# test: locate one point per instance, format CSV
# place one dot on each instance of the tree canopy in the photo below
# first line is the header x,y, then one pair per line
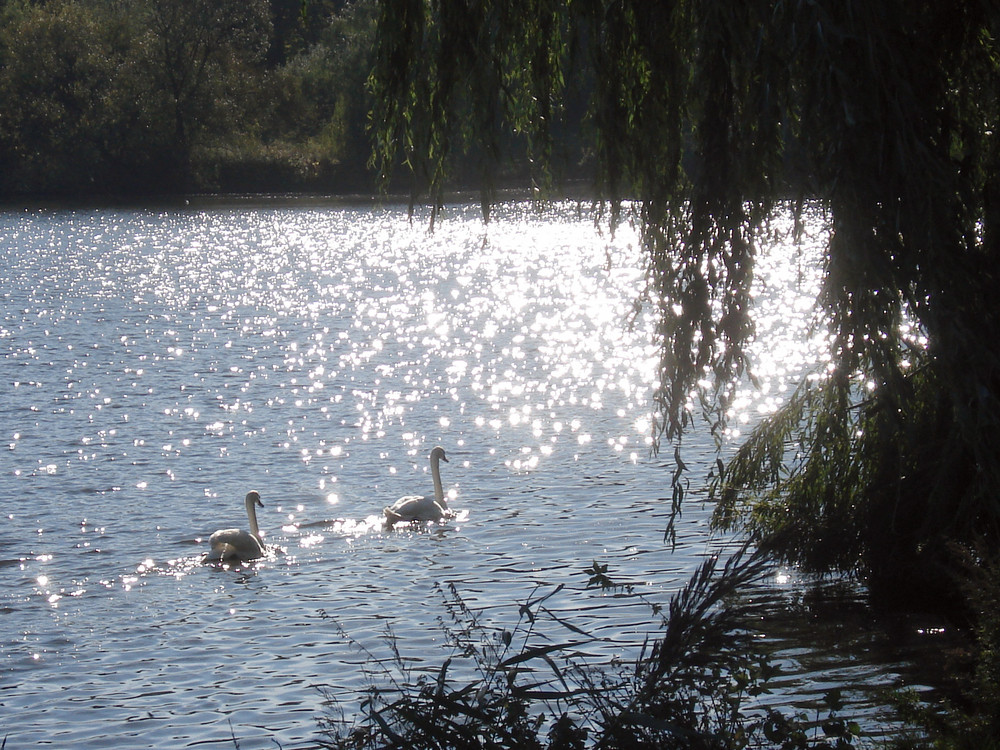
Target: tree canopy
x,y
160,96
708,117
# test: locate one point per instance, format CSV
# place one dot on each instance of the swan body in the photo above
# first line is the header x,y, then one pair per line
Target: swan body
x,y
422,507
237,545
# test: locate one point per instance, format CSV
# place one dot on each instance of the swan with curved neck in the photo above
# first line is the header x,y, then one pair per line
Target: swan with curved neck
x,y
422,507
237,545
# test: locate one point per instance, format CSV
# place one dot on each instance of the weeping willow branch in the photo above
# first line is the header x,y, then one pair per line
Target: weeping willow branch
x,y
704,118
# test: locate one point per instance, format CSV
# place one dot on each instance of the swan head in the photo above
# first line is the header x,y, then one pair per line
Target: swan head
x,y
438,454
253,498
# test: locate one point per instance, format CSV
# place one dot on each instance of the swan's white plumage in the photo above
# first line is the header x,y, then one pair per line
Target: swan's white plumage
x,y
237,545
422,507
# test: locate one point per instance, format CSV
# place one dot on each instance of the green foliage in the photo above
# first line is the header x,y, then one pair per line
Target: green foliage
x,y
170,95
983,591
72,116
883,486
195,56
298,24
970,718
310,116
489,711
668,128
459,79
319,95
101,96
794,483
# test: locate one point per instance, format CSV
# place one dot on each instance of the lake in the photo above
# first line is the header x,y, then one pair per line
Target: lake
x,y
158,364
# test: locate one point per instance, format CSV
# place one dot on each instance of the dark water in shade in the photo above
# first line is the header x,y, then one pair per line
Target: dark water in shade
x,y
157,365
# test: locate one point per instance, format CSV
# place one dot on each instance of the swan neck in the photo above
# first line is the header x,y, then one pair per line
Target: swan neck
x,y
436,476
252,515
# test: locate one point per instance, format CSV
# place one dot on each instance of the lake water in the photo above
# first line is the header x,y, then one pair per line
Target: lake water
x,y
156,365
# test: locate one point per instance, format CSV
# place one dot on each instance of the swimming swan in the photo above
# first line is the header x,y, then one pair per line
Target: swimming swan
x,y
237,545
421,507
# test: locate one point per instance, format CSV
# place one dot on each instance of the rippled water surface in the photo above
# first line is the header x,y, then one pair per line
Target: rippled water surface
x,y
157,365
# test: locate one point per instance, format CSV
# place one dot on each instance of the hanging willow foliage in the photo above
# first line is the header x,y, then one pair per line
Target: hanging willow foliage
x,y
707,116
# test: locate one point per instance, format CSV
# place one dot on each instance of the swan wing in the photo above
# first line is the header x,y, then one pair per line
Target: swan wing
x,y
221,552
234,544
414,508
223,535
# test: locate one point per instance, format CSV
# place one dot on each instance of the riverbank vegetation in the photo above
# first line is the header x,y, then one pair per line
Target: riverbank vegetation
x,y
105,99
151,97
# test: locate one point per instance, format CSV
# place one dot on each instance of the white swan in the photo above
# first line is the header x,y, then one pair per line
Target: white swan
x,y
421,507
237,545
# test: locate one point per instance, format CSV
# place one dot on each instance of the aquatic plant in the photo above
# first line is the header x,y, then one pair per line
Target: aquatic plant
x,y
691,687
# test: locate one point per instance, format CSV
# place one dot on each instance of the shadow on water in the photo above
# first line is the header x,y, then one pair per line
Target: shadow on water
x,y
825,634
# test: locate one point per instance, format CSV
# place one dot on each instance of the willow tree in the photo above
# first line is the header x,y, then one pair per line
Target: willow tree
x,y
709,116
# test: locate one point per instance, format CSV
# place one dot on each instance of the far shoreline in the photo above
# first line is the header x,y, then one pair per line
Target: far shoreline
x,y
300,199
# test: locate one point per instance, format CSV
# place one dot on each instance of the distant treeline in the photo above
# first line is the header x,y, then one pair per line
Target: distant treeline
x,y
141,97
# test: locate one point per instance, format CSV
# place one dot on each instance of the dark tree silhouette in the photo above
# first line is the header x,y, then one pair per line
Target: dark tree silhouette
x,y
714,115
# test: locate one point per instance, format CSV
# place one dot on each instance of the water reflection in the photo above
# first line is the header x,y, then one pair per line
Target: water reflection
x,y
823,635
165,363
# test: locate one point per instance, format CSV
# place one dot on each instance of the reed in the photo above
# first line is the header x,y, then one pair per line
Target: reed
x,y
534,687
